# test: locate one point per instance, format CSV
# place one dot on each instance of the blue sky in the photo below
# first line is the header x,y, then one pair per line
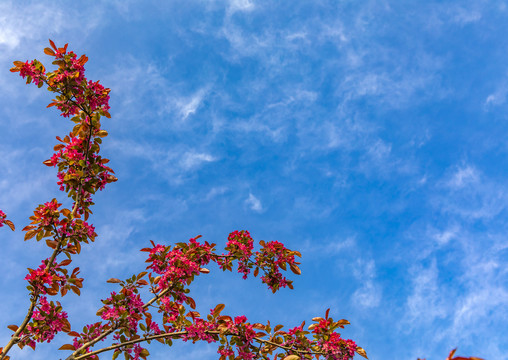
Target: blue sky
x,y
369,135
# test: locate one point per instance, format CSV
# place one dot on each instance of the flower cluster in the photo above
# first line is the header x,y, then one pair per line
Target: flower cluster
x,y
273,257
200,330
242,337
39,277
86,96
77,173
126,307
77,230
33,71
2,218
239,246
47,215
179,265
81,171
90,332
331,343
47,320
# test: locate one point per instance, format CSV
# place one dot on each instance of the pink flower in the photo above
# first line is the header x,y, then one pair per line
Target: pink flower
x,y
47,320
2,218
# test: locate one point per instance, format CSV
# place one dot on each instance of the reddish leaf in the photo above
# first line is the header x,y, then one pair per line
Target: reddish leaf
x,y
295,269
49,51
67,325
141,274
67,346
10,224
361,351
13,327
83,59
114,281
76,290
218,309
191,302
292,357
451,354
52,44
52,244
342,322
51,291
30,234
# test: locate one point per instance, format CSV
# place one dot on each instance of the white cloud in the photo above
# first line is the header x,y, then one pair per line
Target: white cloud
x,y
463,176
175,163
466,16
369,294
254,203
192,159
471,195
426,302
337,247
442,238
22,23
216,191
498,97
188,106
240,5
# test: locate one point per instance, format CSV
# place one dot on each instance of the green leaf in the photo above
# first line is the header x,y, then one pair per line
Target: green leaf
x,y
115,354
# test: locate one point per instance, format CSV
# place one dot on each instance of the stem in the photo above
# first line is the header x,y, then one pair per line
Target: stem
x,y
35,295
180,333
109,331
15,337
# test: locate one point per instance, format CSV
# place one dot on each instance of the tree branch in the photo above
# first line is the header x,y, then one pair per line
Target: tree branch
x,y
179,334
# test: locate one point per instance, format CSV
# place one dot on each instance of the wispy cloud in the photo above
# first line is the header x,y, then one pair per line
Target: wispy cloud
x,y
369,294
191,159
498,96
462,177
427,300
240,5
175,162
254,203
472,194
189,106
